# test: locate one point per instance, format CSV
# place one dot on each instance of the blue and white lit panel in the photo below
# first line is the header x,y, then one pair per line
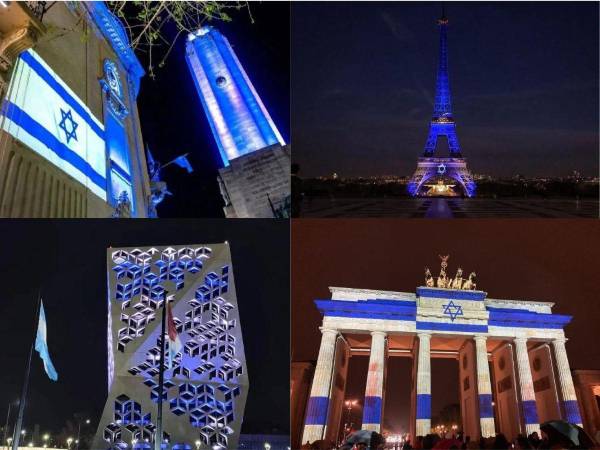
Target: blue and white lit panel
x,y
46,115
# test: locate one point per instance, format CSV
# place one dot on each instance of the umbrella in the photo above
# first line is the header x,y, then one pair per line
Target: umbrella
x,y
371,438
567,434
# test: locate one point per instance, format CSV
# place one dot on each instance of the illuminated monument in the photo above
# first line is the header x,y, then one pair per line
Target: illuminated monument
x,y
440,175
205,389
71,143
513,368
255,177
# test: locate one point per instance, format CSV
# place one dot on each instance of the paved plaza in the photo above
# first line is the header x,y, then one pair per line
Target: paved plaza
x,y
445,208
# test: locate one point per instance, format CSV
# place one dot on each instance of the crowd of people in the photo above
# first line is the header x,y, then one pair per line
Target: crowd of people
x,y
460,442
433,441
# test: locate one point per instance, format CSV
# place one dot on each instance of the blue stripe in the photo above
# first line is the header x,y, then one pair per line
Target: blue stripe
x,y
522,324
373,309
443,326
572,411
74,103
27,123
450,294
316,411
367,315
504,317
530,412
372,410
120,170
423,406
485,406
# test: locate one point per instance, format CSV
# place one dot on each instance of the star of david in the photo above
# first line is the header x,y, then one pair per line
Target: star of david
x,y
441,168
453,310
63,124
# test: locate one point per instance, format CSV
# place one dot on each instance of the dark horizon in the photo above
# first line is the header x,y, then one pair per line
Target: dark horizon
x,y
524,259
67,261
523,77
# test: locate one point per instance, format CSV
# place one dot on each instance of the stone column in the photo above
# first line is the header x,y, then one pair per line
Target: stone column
x,y
484,388
373,408
318,402
423,414
567,389
529,406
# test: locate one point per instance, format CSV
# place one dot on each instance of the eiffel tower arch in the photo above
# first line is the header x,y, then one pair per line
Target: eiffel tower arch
x,y
437,175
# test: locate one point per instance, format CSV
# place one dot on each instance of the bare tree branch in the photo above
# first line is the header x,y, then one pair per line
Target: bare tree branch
x,y
144,22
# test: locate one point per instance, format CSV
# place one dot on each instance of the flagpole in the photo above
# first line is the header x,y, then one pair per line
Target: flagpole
x,y
161,381
6,426
173,160
17,432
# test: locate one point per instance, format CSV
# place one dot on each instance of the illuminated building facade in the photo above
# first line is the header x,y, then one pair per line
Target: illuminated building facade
x,y
513,368
206,385
254,179
440,175
71,143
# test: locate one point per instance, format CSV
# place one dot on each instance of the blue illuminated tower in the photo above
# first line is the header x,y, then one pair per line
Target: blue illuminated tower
x,y
239,121
254,180
438,171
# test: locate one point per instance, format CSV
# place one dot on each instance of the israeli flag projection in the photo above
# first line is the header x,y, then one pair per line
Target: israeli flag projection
x,y
42,112
41,345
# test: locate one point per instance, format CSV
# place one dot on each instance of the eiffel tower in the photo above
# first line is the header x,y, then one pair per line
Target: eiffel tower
x,y
434,173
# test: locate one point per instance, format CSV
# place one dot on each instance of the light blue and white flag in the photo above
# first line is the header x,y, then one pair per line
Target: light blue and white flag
x,y
183,162
41,345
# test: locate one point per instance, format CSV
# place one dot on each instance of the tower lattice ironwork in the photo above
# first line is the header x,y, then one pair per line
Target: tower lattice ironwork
x,y
432,169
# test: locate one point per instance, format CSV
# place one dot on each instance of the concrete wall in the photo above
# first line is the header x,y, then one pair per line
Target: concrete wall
x,y
507,411
338,389
544,383
300,380
469,400
587,387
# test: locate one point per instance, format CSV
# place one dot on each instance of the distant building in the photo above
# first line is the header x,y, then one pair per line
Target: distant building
x,y
255,177
71,144
264,442
587,386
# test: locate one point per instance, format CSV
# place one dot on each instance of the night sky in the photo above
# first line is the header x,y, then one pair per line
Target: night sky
x,y
68,261
524,81
173,120
544,260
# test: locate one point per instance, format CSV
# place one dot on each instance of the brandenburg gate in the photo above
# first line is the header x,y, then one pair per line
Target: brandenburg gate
x,y
513,368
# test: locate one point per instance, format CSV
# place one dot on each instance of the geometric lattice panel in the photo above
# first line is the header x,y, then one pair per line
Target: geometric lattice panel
x,y
206,384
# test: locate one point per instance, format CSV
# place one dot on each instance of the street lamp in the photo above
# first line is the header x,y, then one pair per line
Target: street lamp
x,y
87,421
46,437
69,441
349,405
